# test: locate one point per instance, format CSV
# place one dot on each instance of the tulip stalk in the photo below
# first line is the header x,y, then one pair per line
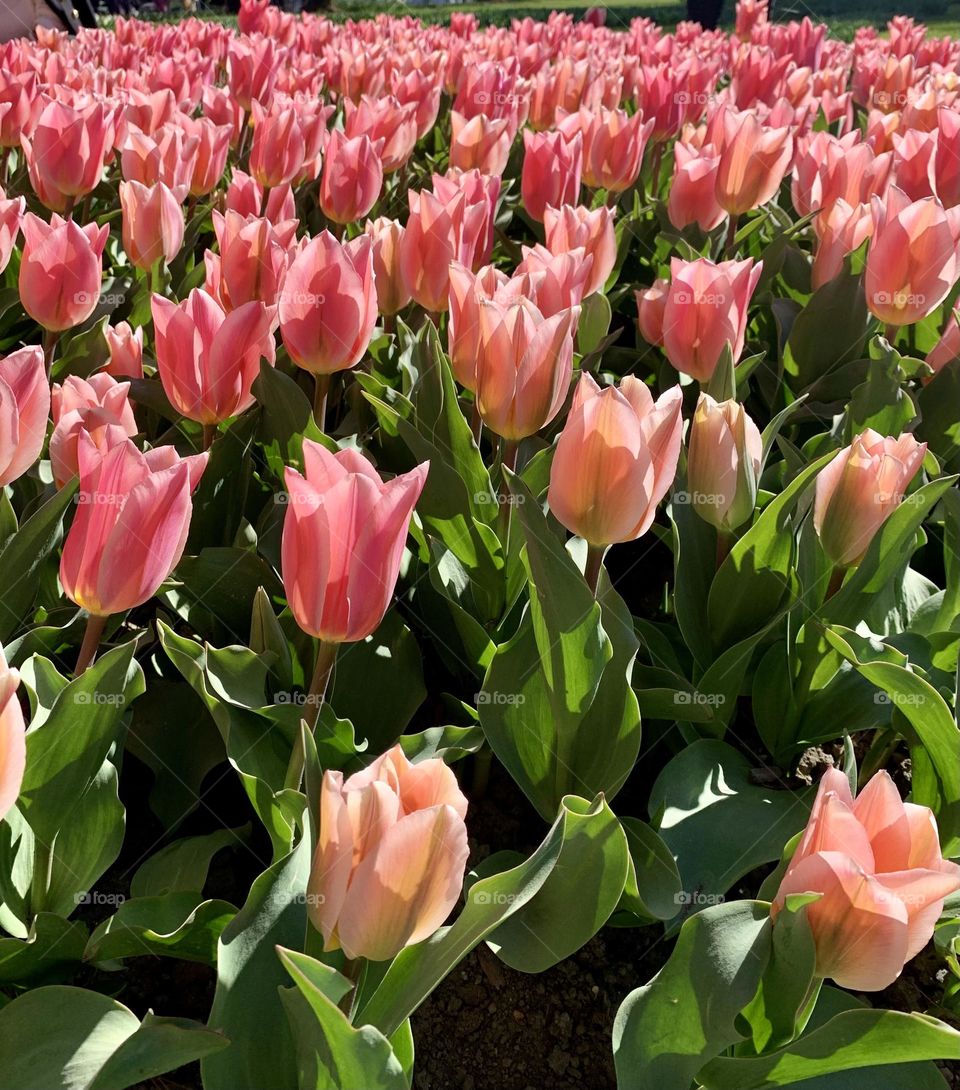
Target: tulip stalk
x,y
508,461
209,434
731,234
323,668
90,644
321,394
593,566
50,337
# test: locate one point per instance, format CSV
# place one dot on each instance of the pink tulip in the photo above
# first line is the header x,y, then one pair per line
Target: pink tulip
x,y
387,237
484,189
99,406
524,365
246,196
387,121
60,271
575,227
613,146
343,538
554,282
13,746
352,178
328,305
947,348
946,162
467,290
615,460
167,156
152,222
876,863
840,230
11,214
858,491
912,261
723,463
208,359
389,862
213,146
278,145
651,303
254,256
552,166
706,309
130,529
693,197
480,143
24,408
126,350
66,151
753,162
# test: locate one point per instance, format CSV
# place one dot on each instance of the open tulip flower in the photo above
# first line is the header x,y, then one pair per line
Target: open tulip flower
x,y
99,407
61,270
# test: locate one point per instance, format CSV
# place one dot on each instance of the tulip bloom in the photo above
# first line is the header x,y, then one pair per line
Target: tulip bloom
x,y
392,293
11,213
912,261
66,150
343,538
552,166
208,359
480,143
858,491
876,862
524,365
278,145
615,460
24,408
947,348
213,147
99,406
572,228
651,303
13,746
167,156
61,270
254,256
152,222
840,230
467,289
131,524
693,197
753,162
613,146
328,305
126,350
352,177
389,124
723,463
390,856
246,196
706,309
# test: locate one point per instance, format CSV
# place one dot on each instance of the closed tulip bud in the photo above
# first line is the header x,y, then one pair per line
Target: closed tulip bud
x,y
467,290
552,166
858,491
13,745
66,151
24,408
877,865
126,350
706,309
693,197
723,463
130,528
153,223
60,271
474,238
11,213
278,148
208,359
391,851
615,460
753,162
392,292
912,261
328,305
524,365
480,143
576,227
352,177
99,406
650,306
254,256
343,538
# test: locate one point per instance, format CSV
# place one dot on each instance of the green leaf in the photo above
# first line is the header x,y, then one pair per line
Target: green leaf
x,y
653,885
559,920
665,1031
53,945
839,306
181,866
218,586
180,925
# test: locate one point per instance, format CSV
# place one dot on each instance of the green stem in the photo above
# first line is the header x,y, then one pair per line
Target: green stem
x,y
321,393
476,422
50,337
323,668
836,581
731,234
508,461
91,642
591,571
42,872
725,542
890,332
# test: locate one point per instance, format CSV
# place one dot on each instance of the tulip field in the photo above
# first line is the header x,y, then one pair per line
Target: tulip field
x,y
479,555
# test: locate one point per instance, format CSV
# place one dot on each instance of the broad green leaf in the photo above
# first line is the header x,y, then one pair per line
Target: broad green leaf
x,y
53,945
839,306
180,925
653,888
183,865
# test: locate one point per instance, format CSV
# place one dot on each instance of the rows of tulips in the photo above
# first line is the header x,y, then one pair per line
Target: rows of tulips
x,y
390,410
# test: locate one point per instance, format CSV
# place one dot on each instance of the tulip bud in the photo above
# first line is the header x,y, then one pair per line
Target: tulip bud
x,y
650,305
99,406
60,271
13,746
126,350
278,145
480,143
343,538
66,151
552,166
391,126
882,880
693,197
24,408
167,156
467,290
840,230
390,856
152,222
859,489
753,162
129,532
213,147
723,463
11,214
254,255
387,236
615,460
352,178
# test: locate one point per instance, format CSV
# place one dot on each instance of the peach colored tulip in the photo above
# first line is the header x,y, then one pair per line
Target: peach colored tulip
x,y
208,359
387,237
858,491
524,365
723,463
706,308
840,230
467,289
476,238
18,93
328,305
575,227
947,348
213,146
389,862
423,89
650,306
167,156
277,154
693,197
615,460
385,120
130,528
343,538
99,406
555,282
60,271
126,350
152,222
876,862
246,196
66,151
912,261
24,408
613,146
254,256
352,177
552,166
753,162
480,143
946,162
13,746
11,215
